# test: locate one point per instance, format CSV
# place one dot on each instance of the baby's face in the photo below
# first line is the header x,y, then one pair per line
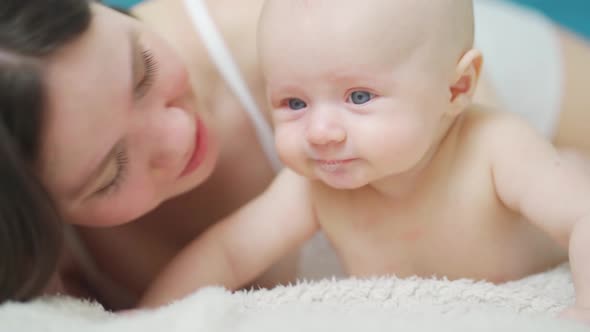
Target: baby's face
x,y
346,110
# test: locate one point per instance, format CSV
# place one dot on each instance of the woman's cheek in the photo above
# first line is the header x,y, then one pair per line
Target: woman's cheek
x,y
115,209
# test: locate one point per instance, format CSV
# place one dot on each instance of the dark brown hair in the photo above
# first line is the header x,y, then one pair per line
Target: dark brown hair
x,y
30,227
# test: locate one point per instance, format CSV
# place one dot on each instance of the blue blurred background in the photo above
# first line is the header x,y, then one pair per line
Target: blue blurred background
x,y
573,14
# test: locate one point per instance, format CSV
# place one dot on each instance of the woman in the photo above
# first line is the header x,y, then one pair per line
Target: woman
x,y
129,131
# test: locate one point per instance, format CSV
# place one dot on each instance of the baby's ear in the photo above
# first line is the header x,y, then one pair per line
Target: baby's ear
x,y
466,77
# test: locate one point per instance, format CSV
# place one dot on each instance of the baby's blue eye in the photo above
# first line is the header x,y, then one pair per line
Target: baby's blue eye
x,y
296,103
360,97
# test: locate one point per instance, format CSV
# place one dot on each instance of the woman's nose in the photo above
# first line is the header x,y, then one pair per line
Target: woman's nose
x,y
167,138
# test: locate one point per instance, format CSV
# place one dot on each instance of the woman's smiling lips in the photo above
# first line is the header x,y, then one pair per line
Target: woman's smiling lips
x,y
199,149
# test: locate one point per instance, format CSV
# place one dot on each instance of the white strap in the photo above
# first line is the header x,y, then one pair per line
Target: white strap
x,y
221,56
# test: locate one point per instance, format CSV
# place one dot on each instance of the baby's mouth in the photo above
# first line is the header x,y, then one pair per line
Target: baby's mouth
x,y
333,165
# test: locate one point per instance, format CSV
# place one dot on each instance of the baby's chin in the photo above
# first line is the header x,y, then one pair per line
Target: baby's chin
x,y
340,181
337,180
344,185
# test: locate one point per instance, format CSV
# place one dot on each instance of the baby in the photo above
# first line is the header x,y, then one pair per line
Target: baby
x,y
372,110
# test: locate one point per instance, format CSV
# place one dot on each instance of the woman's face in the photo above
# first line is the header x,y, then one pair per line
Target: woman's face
x,y
123,131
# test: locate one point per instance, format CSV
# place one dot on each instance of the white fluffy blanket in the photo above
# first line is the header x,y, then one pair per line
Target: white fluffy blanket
x,y
383,304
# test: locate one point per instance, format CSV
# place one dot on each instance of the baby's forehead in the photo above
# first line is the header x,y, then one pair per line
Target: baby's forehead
x,y
395,32
367,12
373,23
379,42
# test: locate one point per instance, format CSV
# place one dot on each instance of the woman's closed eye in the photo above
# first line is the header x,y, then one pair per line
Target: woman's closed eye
x,y
120,160
150,68
360,97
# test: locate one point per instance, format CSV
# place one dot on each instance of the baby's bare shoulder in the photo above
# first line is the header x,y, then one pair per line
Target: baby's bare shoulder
x,y
488,127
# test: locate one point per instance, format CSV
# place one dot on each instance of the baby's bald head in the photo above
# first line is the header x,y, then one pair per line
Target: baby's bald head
x,y
385,29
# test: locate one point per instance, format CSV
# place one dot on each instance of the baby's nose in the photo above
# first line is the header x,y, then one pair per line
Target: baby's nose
x,y
325,128
325,135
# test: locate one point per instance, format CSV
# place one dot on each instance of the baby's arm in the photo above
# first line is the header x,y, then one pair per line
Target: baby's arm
x,y
239,248
549,188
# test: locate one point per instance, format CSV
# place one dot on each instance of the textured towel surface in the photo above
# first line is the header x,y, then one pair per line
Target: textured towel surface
x,y
383,304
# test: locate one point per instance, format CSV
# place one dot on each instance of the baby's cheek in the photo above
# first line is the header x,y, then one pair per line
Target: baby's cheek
x,y
397,143
290,148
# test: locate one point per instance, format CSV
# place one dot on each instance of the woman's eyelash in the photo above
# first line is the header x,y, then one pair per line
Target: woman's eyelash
x,y
151,67
122,160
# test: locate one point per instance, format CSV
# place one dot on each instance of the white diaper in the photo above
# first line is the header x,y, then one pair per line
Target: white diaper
x,y
522,57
